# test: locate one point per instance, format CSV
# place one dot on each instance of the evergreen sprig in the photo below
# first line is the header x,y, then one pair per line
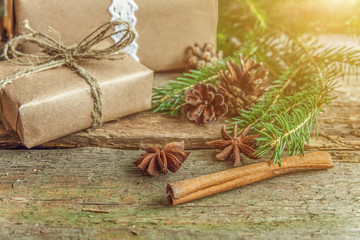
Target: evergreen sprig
x,y
303,74
285,116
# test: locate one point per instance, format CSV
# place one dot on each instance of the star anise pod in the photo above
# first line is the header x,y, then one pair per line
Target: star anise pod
x,y
235,145
156,161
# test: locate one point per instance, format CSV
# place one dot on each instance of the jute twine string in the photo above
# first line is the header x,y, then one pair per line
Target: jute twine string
x,y
55,54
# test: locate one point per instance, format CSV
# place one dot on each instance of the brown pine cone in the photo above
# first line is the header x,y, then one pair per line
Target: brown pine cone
x,y
204,104
243,85
198,56
156,161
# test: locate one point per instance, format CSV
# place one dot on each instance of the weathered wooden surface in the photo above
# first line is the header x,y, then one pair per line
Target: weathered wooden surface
x,y
51,194
55,194
97,193
339,127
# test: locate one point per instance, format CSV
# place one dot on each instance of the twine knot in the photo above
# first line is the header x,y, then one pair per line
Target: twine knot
x,y
69,56
55,54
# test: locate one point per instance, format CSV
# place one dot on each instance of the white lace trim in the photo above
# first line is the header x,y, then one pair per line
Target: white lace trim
x,y
125,10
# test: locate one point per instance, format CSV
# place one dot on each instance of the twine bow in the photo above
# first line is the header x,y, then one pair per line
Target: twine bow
x,y
54,54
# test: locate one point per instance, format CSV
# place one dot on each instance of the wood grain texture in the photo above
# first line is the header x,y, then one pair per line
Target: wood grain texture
x,y
43,194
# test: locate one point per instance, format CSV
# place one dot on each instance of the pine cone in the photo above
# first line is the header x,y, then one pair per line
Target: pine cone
x,y
156,161
204,104
243,85
198,56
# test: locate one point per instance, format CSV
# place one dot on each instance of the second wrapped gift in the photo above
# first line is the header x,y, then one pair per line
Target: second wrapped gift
x,y
165,28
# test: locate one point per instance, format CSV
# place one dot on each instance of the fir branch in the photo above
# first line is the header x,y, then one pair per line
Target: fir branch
x,y
285,121
305,74
288,134
290,108
341,59
291,128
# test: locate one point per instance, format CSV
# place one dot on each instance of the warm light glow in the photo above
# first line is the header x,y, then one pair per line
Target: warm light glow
x,y
343,2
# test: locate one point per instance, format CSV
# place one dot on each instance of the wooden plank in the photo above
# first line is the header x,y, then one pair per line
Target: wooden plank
x,y
339,127
43,194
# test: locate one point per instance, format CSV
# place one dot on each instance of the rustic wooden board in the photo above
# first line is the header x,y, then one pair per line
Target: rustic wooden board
x,y
97,193
339,127
51,194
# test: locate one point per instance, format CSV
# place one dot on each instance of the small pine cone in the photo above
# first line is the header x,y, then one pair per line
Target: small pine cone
x,y
198,56
243,85
204,104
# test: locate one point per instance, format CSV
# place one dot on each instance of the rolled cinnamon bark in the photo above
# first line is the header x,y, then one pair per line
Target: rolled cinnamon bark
x,y
207,185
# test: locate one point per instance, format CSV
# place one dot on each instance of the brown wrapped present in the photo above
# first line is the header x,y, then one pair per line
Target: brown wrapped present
x,y
166,28
49,104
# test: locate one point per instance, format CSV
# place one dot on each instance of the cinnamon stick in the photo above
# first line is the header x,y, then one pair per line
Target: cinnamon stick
x,y
207,185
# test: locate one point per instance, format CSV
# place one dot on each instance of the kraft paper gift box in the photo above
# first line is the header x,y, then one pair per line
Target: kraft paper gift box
x,y
166,28
56,102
